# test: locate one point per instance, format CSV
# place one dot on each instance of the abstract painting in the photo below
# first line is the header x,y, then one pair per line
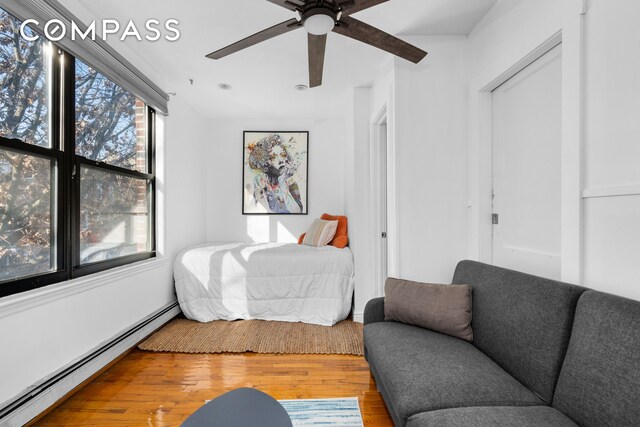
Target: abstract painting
x,y
275,173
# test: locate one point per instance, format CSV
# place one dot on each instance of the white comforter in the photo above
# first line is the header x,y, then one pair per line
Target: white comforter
x,y
269,281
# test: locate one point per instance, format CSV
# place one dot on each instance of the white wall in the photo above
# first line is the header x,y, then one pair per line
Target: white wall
x,y
431,145
224,156
612,147
427,119
187,136
606,247
358,199
38,339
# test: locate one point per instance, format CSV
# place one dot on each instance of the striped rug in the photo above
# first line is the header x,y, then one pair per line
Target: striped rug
x,y
324,412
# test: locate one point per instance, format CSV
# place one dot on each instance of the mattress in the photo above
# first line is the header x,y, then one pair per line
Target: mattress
x,y
268,281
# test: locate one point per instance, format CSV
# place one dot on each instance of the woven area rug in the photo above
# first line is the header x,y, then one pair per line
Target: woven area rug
x,y
324,412
258,336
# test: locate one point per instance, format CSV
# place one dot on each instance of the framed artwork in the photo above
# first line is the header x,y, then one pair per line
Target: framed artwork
x,y
274,173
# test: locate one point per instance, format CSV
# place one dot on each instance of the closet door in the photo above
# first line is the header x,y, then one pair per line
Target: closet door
x,y
526,168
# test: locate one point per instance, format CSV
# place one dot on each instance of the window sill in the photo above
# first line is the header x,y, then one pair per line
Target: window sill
x,y
27,300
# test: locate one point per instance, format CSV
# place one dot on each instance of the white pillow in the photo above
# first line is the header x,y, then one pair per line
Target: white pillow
x,y
320,233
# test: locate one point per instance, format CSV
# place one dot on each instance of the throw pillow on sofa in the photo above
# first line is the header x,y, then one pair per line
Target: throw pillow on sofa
x,y
441,308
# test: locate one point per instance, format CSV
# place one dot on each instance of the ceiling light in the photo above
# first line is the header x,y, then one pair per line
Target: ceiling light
x,y
224,86
319,21
301,87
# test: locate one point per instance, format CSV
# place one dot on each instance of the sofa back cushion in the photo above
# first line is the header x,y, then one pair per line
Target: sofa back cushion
x,y
522,322
599,383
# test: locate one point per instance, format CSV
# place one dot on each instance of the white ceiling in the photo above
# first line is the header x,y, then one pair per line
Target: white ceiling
x,y
263,76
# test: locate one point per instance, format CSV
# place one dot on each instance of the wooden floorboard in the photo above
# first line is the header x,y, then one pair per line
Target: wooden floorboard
x,y
163,389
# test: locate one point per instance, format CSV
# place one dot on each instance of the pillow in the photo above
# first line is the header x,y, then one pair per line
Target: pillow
x,y
320,233
441,308
340,240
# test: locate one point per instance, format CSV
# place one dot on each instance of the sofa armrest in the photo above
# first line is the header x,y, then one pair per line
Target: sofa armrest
x,y
374,311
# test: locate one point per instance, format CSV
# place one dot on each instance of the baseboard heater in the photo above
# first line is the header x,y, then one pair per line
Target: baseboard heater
x,y
37,398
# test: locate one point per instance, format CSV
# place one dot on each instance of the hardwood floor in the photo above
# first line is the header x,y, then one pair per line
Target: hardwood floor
x,y
163,389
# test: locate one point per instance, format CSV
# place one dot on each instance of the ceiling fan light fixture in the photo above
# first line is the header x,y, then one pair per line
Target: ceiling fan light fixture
x,y
319,22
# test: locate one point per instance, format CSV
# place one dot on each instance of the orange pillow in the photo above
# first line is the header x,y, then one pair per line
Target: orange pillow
x,y
341,239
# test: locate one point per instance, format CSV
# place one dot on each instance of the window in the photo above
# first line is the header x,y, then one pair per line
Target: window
x,y
77,177
26,202
115,187
110,122
25,67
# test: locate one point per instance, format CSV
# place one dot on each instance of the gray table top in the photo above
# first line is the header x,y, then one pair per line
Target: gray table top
x,y
243,407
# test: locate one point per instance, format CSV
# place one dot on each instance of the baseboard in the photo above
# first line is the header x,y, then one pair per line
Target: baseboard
x,y
358,317
39,397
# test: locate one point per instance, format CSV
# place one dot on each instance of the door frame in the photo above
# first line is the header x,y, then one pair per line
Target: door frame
x,y
381,129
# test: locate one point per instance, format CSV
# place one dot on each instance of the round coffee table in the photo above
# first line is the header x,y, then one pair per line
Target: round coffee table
x,y
244,407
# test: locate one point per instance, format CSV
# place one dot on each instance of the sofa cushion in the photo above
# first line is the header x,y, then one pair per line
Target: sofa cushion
x,y
422,370
599,384
502,416
522,322
441,308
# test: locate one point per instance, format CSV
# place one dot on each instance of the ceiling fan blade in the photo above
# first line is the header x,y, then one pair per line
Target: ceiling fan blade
x,y
267,34
292,5
317,47
350,7
365,33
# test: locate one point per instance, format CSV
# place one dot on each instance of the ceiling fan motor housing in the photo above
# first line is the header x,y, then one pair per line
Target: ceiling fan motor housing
x,y
319,20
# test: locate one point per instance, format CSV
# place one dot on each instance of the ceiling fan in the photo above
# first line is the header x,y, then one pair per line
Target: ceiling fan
x,y
320,17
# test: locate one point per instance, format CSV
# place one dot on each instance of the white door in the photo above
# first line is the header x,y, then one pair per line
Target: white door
x,y
526,168
384,261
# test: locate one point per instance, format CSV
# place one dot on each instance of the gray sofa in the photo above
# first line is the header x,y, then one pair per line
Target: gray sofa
x,y
544,353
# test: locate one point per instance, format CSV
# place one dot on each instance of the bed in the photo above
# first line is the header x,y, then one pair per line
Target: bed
x,y
268,281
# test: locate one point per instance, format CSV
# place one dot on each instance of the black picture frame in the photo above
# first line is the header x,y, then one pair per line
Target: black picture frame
x,y
259,200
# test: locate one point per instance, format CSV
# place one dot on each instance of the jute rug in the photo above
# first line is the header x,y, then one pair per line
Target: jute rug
x,y
258,336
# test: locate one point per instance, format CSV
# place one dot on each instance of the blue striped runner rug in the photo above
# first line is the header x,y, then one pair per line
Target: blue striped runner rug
x,y
324,412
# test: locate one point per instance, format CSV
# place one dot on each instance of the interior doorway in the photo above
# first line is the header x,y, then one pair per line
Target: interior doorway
x,y
527,119
383,215
384,206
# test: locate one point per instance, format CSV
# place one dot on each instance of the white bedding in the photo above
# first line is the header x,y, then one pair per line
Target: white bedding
x,y
269,281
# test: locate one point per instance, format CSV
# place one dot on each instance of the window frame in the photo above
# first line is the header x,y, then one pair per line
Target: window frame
x,y
66,165
58,227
